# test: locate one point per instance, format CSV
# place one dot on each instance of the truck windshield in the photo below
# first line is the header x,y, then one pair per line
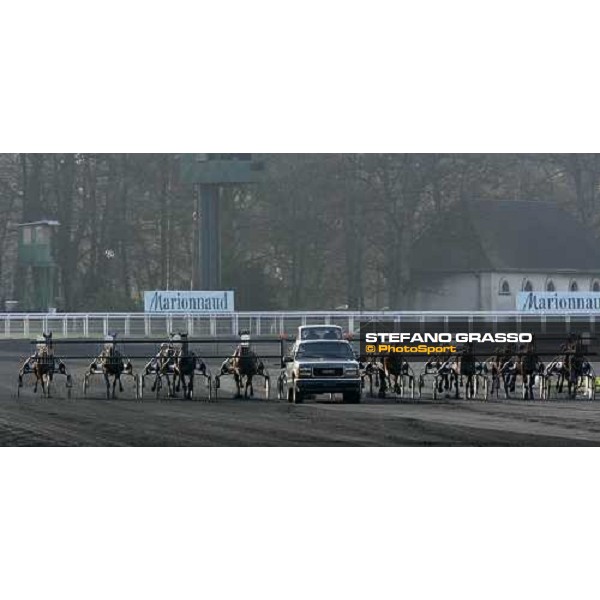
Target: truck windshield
x,y
325,350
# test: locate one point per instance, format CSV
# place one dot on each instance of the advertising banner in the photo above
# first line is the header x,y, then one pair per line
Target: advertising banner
x,y
543,302
188,302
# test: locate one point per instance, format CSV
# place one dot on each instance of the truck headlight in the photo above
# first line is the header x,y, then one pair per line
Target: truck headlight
x,y
305,372
351,371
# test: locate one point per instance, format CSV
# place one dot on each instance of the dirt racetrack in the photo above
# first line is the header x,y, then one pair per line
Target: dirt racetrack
x,y
59,421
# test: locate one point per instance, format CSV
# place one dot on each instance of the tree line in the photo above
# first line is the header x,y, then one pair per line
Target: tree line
x,y
319,231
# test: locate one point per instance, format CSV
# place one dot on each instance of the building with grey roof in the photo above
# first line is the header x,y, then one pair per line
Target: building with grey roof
x,y
481,255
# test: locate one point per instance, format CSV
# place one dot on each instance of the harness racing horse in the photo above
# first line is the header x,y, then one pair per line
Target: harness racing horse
x,y
556,368
44,370
160,365
565,368
571,366
392,373
112,365
576,368
166,367
185,364
529,366
43,364
244,365
507,370
504,368
442,369
476,373
40,364
446,375
468,369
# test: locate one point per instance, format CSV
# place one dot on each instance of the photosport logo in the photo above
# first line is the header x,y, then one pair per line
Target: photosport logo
x,y
377,338
439,336
188,302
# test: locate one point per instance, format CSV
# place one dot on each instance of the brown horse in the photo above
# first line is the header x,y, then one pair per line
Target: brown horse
x,y
528,366
244,366
395,370
43,364
185,363
43,369
468,370
113,365
574,367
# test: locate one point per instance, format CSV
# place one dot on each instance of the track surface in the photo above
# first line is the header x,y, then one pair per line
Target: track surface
x,y
34,421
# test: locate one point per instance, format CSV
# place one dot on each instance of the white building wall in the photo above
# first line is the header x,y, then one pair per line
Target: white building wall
x,y
539,282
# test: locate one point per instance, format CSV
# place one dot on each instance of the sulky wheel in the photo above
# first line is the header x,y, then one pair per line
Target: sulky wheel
x,y
267,387
589,388
541,387
280,390
469,394
401,386
85,384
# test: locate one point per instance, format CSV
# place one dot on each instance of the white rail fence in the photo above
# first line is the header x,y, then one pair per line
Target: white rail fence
x,y
95,325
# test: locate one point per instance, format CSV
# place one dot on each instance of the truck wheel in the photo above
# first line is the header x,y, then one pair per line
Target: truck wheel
x,y
297,397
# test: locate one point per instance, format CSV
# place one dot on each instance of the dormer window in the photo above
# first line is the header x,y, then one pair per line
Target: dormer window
x,y
504,288
527,286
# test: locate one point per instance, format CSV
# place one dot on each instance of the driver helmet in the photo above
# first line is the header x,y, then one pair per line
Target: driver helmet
x,y
245,338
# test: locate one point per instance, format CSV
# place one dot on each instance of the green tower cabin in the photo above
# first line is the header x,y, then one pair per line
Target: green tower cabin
x,y
37,264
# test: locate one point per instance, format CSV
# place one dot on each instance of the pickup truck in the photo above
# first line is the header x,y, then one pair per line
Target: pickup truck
x,y
320,367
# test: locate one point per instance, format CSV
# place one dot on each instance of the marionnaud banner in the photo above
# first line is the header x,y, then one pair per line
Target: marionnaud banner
x,y
577,302
188,302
